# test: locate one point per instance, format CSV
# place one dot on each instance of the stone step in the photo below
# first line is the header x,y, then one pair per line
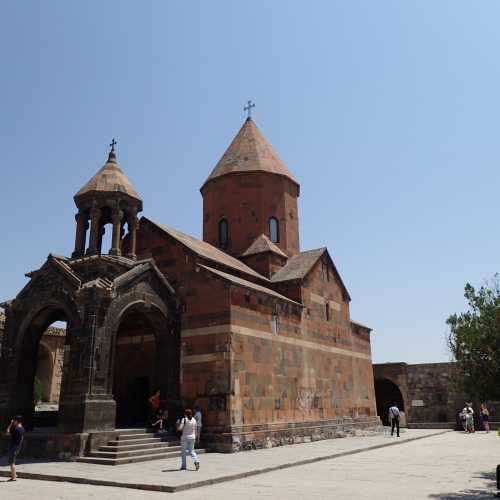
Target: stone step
x,y
117,442
130,460
134,430
133,453
145,435
132,447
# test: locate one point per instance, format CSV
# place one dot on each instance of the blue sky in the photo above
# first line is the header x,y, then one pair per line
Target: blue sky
x,y
387,112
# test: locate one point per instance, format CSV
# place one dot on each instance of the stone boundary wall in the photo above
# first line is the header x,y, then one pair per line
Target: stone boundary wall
x,y
430,393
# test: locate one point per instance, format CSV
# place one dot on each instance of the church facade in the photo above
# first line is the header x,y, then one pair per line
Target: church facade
x,y
241,323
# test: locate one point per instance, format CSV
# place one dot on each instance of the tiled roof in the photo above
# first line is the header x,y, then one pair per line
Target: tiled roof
x,y
299,265
250,152
204,249
249,284
110,178
263,244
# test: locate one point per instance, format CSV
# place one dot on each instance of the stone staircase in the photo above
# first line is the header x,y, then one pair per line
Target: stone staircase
x,y
135,445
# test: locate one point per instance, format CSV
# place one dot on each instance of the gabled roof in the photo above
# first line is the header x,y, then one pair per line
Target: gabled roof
x,y
110,178
250,152
263,244
207,251
249,284
299,266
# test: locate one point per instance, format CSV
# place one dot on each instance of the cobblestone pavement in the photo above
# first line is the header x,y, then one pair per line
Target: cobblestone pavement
x,y
449,466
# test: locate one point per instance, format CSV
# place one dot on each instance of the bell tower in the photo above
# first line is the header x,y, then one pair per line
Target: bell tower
x,y
107,198
250,193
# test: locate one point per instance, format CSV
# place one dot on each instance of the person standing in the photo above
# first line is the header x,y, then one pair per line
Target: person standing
x,y
394,415
16,432
485,417
154,401
198,417
187,425
469,418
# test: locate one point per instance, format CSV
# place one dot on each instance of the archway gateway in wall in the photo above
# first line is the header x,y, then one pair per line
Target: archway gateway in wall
x,y
387,393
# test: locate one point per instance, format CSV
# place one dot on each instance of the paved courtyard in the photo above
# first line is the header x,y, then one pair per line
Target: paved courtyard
x,y
448,466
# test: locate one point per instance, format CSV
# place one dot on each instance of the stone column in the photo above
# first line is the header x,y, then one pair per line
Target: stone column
x,y
132,224
95,216
81,232
102,230
117,228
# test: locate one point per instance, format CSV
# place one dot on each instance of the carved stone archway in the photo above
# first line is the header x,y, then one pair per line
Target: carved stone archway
x,y
153,315
91,294
27,318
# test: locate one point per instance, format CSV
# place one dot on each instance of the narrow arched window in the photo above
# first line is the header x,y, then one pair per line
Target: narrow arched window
x,y
274,230
223,233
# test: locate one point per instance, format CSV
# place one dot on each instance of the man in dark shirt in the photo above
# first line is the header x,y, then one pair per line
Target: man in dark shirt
x,y
16,432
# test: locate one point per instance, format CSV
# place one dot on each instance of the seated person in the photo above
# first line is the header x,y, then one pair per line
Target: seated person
x,y
159,420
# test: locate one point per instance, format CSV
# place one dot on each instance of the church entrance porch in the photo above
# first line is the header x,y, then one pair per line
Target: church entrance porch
x,y
122,324
135,377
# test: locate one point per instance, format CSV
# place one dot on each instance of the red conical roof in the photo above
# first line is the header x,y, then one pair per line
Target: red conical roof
x,y
250,152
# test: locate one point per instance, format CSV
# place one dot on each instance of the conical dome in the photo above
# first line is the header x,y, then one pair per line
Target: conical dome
x,y
250,152
109,179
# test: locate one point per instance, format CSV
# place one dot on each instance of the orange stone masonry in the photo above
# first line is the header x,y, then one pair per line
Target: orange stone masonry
x,y
242,323
249,185
268,351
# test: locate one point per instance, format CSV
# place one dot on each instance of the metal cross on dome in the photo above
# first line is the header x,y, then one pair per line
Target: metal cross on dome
x,y
248,108
113,144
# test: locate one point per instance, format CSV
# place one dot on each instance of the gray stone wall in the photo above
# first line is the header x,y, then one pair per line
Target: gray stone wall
x,y
430,393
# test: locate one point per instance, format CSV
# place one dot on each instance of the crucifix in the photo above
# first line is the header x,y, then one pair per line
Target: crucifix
x,y
248,108
113,144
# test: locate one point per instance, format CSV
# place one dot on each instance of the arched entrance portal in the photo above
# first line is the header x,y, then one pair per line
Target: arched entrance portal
x,y
135,376
44,374
386,393
40,368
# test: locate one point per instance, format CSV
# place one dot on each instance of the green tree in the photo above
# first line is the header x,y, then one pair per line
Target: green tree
x,y
474,341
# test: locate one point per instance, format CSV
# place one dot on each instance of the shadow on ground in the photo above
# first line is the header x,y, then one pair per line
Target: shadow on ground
x,y
487,492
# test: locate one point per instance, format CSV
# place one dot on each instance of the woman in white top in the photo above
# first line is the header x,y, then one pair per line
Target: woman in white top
x,y
187,426
469,418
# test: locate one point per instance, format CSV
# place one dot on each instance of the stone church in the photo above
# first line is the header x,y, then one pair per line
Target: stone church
x,y
242,323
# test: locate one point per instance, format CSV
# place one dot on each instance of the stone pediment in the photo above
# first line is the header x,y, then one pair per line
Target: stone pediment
x,y
54,274
107,273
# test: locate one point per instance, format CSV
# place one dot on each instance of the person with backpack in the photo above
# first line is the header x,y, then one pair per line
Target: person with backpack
x,y
187,426
394,415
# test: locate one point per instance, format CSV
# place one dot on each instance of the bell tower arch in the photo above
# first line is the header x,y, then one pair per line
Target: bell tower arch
x,y
107,198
